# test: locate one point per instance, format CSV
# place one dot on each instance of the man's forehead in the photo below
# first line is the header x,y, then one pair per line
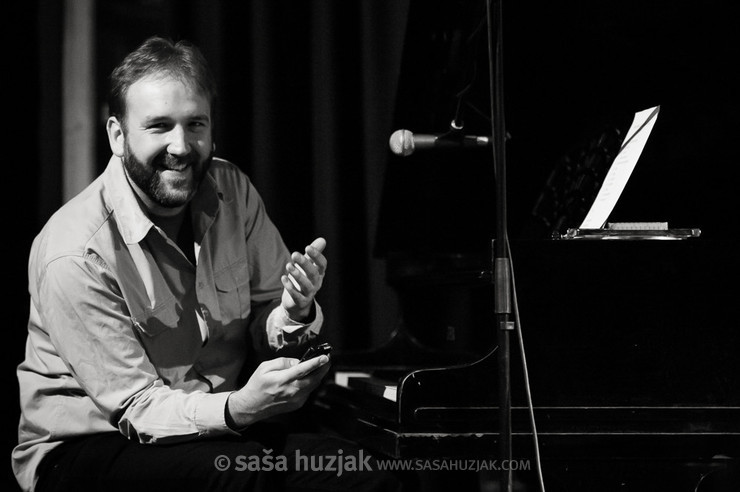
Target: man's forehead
x,y
162,89
159,80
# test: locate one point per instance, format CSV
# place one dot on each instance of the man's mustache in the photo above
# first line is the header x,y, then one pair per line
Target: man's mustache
x,y
169,161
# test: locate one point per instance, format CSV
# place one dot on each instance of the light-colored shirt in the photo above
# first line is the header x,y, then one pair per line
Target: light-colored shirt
x,y
126,334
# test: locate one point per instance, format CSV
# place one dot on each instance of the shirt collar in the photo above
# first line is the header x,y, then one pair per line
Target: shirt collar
x,y
133,222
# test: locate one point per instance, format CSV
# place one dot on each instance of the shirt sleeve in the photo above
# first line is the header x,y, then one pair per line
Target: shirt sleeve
x,y
90,328
283,332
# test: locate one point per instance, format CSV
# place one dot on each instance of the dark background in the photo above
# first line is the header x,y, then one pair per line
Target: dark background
x,y
311,91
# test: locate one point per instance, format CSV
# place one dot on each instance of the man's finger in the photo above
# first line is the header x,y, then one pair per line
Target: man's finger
x,y
305,265
302,369
314,255
277,364
295,290
319,243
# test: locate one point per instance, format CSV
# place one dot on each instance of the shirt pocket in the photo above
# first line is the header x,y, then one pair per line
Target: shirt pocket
x,y
171,339
152,322
232,290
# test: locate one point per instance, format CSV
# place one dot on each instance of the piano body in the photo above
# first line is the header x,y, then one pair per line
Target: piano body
x,y
631,350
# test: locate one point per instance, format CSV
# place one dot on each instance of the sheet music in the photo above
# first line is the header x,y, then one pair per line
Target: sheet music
x,y
621,169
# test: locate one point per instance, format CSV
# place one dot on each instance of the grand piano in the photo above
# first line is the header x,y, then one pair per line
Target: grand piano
x,y
631,359
630,345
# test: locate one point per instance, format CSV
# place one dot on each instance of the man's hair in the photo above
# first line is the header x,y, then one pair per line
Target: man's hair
x,y
160,56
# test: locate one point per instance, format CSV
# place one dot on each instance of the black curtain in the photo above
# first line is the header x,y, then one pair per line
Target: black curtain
x,y
308,96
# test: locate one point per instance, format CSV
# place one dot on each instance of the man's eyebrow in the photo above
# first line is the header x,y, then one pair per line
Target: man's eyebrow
x,y
150,119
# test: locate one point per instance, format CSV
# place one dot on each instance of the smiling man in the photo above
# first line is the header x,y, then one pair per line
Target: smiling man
x,y
164,113
164,308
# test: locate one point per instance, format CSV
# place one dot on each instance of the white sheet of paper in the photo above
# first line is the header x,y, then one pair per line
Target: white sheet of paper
x,y
621,169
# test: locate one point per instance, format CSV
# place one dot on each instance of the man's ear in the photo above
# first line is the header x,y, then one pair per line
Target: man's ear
x,y
115,136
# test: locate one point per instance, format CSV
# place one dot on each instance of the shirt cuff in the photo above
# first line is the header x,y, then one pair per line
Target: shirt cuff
x,y
210,414
283,331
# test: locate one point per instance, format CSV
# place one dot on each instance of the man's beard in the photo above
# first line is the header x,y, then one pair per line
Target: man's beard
x,y
148,176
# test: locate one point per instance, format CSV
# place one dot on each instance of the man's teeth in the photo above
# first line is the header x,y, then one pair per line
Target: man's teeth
x,y
177,168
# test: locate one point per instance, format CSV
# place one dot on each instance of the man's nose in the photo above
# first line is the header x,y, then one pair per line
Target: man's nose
x,y
177,141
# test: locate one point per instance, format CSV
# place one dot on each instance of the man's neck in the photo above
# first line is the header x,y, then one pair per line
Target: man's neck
x,y
179,229
170,224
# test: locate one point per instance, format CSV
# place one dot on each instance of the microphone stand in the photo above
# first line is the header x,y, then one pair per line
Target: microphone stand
x,y
500,249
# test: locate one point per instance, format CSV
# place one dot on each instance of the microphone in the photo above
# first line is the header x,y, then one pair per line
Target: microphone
x,y
405,143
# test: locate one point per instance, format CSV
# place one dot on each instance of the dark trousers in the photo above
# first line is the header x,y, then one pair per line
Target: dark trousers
x,y
264,459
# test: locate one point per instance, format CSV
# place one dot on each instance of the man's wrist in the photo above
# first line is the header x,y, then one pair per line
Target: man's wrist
x,y
231,423
305,316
